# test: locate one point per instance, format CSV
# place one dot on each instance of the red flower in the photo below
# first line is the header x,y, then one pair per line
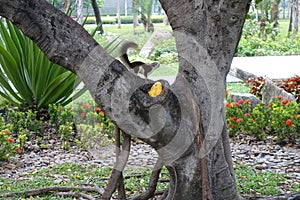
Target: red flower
x,y
280,97
10,140
289,123
239,120
285,101
240,101
85,106
237,104
231,126
247,101
233,118
82,115
97,109
59,108
247,114
18,151
229,105
6,131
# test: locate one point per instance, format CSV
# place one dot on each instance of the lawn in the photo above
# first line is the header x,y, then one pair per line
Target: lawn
x,y
136,180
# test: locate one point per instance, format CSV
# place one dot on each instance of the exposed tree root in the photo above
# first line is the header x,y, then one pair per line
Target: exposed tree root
x,y
46,190
164,195
122,157
152,182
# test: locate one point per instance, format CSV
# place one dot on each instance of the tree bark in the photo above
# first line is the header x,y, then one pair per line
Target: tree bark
x,y
79,11
135,15
66,5
97,15
275,13
207,33
118,13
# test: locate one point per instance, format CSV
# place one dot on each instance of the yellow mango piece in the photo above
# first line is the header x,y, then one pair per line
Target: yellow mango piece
x,y
156,89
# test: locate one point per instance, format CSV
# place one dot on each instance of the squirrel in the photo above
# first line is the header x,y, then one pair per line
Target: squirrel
x,y
137,66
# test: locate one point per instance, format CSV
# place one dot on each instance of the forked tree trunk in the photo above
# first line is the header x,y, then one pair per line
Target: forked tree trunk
x,y
186,122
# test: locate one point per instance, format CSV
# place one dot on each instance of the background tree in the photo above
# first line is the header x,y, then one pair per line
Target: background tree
x,y
185,123
274,13
79,11
97,15
146,8
118,13
293,27
135,15
67,4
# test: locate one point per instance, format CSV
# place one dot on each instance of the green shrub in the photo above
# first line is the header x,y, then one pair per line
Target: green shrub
x,y
157,18
166,52
281,119
60,115
104,20
8,144
25,122
66,134
28,79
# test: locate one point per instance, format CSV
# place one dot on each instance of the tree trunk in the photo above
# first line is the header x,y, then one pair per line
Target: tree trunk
x,y
79,10
97,15
283,9
295,13
293,27
135,15
66,5
186,123
275,13
118,14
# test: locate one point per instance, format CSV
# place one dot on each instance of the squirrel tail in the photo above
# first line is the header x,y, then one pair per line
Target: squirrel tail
x,y
123,51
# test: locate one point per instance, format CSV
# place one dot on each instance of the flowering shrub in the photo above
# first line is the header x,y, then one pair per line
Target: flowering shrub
x,y
284,119
60,115
8,145
281,119
24,122
290,85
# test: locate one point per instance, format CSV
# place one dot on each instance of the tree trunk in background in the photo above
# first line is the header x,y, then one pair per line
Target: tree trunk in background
x,y
135,15
284,7
97,15
275,13
293,27
66,5
186,123
79,11
118,14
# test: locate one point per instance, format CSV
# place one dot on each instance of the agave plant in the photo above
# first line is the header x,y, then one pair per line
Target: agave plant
x,y
28,79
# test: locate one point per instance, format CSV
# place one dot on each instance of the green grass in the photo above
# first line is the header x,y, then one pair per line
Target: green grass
x,y
71,174
284,26
262,183
238,87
